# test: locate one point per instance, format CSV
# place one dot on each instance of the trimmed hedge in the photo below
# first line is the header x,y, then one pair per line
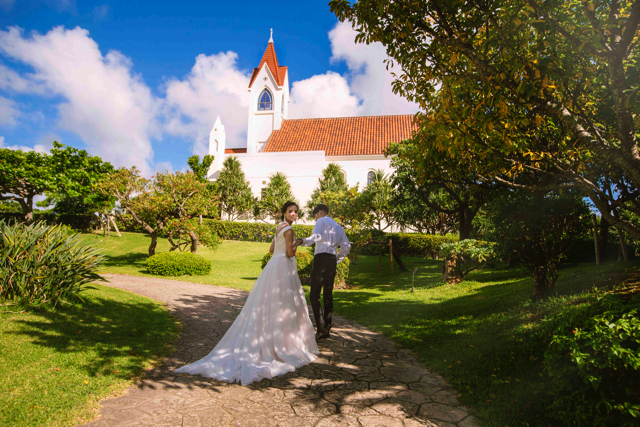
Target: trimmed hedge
x,y
304,262
407,244
178,264
251,231
77,222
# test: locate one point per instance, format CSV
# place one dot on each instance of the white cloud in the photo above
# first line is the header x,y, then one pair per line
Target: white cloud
x,y
9,79
370,80
164,167
8,111
107,105
323,95
38,147
214,87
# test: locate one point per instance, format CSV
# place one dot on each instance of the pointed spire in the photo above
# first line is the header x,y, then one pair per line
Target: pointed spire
x,y
271,38
217,126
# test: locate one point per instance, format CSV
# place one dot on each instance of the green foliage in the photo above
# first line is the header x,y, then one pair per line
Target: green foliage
x,y
420,245
332,181
466,255
42,264
76,222
200,170
10,206
236,198
207,236
541,91
378,202
274,195
178,264
594,357
304,262
540,230
251,231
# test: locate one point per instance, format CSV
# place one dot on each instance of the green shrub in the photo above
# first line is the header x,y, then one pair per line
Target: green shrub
x,y
594,358
41,264
462,257
304,261
178,264
406,244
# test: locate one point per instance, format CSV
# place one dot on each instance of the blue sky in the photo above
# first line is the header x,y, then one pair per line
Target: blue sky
x,y
142,82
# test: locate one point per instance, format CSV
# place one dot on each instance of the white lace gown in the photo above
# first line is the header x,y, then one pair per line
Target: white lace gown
x,y
273,333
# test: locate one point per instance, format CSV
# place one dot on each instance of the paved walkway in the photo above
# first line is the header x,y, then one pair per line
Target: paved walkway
x,y
360,379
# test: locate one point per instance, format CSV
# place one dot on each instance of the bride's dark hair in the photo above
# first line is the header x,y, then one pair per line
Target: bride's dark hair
x,y
286,205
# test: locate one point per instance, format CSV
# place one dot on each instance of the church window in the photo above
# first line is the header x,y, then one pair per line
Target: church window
x,y
282,104
265,101
371,176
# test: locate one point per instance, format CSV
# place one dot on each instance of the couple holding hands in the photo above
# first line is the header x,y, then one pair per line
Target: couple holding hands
x,y
273,333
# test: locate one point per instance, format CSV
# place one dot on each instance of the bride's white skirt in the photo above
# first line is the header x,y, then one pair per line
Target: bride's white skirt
x,y
271,336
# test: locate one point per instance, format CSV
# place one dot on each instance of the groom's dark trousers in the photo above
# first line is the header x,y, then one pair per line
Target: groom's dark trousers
x,y
322,277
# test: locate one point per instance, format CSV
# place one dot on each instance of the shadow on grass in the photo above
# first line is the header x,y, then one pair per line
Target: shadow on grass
x,y
106,329
136,260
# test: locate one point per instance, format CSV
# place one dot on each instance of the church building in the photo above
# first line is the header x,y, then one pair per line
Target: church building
x,y
302,148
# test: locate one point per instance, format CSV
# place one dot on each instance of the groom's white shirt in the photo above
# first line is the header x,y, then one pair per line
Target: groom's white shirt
x,y
328,235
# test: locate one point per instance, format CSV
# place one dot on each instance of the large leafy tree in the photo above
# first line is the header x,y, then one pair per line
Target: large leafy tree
x,y
65,173
165,204
235,194
274,195
548,89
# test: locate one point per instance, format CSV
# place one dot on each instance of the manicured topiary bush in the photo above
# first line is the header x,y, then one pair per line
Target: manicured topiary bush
x,y
43,264
594,359
178,264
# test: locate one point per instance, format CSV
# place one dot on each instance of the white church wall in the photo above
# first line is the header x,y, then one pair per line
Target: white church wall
x,y
263,127
356,168
301,168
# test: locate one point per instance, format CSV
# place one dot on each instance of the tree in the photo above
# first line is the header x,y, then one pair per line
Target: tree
x,y
548,89
10,206
540,230
441,183
332,180
377,197
235,194
274,196
201,170
64,173
164,205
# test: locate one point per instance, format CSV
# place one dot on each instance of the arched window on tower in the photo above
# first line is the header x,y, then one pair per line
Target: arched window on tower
x,y
265,101
371,176
282,109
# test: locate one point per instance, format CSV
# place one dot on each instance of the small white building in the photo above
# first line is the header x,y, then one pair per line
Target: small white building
x,y
302,148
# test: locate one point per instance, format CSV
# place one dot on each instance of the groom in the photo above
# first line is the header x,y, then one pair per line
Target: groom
x,y
328,236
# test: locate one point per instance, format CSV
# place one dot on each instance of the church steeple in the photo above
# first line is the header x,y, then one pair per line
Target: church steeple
x,y
268,99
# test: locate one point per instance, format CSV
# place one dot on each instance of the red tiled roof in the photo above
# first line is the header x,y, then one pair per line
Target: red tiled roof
x,y
344,136
269,57
235,150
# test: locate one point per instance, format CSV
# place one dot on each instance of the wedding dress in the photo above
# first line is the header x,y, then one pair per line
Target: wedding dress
x,y
273,333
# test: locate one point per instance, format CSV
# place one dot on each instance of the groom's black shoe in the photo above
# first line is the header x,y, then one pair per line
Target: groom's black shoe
x,y
322,334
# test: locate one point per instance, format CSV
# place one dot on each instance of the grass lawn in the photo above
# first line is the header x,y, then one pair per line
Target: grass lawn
x,y
235,264
480,334
56,365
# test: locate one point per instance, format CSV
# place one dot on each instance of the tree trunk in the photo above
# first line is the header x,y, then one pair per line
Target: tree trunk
x,y
595,238
115,226
544,281
623,246
465,218
450,270
27,209
154,243
194,242
604,234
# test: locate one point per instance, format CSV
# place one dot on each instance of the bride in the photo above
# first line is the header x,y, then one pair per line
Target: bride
x,y
273,333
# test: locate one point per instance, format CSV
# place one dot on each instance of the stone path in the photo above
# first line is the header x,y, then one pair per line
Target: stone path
x,y
360,379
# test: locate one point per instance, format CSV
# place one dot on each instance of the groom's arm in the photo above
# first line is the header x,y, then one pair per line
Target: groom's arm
x,y
345,247
316,236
